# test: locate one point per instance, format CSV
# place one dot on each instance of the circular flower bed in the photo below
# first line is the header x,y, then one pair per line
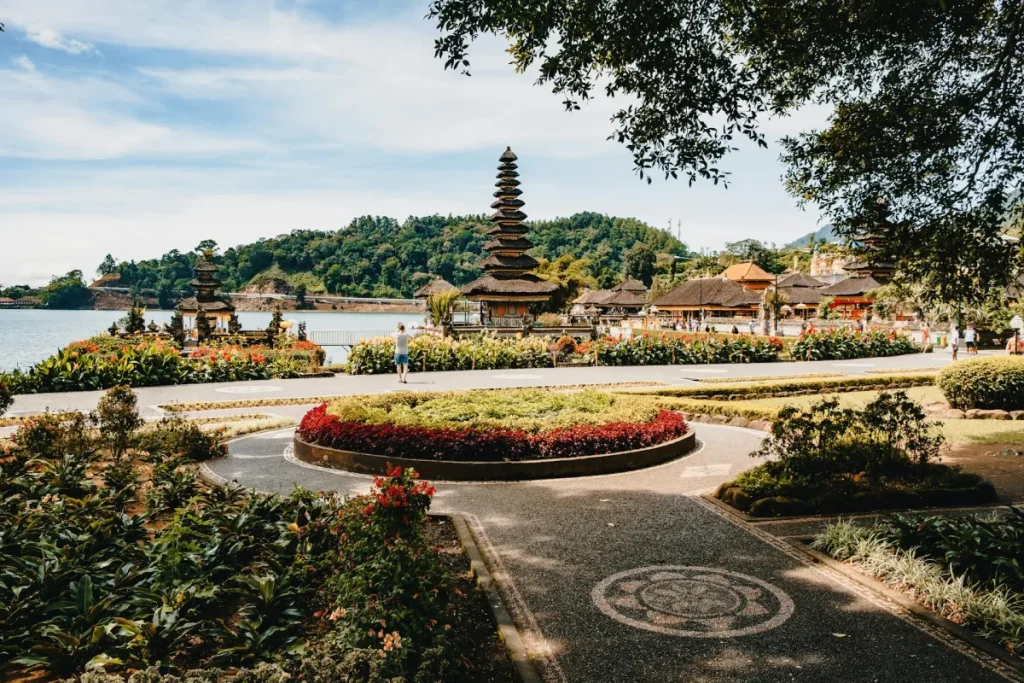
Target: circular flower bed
x,y
491,426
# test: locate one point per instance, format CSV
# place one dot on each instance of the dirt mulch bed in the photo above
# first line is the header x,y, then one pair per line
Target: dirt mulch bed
x,y
487,651
1000,464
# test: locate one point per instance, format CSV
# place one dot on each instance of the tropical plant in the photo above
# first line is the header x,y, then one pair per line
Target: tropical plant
x,y
441,305
118,416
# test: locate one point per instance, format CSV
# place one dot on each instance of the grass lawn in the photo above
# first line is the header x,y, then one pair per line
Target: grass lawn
x,y
976,432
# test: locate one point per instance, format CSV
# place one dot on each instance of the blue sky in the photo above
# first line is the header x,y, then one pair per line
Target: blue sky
x,y
137,127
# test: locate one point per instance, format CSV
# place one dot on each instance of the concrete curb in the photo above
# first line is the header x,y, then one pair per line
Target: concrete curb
x,y
439,470
506,627
739,514
801,543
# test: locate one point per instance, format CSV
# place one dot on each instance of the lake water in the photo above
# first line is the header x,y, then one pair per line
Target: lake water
x,y
29,336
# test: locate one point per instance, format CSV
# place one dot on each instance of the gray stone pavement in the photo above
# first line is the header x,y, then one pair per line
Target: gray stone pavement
x,y
632,577
149,397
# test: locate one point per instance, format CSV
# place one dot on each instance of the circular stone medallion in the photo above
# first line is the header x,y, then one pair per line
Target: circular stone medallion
x,y
247,390
696,602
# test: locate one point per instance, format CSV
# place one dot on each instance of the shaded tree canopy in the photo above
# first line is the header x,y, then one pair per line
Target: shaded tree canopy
x,y
925,143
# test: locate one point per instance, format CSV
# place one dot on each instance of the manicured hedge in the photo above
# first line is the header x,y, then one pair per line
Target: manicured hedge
x,y
469,444
987,383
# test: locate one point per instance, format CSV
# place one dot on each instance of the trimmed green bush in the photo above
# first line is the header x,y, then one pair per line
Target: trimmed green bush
x,y
987,383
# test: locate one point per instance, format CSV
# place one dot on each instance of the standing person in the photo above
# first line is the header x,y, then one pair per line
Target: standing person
x,y
971,340
402,354
954,339
751,327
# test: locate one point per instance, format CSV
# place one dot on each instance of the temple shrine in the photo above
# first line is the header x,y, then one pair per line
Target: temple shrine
x,y
508,289
218,309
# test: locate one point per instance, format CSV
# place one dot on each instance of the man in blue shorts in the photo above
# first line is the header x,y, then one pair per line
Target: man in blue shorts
x,y
402,354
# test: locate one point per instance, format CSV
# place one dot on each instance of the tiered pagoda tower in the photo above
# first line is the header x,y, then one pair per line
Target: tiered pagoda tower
x,y
217,309
507,287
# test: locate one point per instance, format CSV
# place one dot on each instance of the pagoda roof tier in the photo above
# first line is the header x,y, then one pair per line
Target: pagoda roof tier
x,y
507,167
520,262
523,285
510,192
507,216
507,174
204,266
513,243
205,283
503,202
509,182
507,229
215,305
508,155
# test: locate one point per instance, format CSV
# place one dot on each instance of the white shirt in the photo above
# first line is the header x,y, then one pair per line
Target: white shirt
x,y
401,343
970,335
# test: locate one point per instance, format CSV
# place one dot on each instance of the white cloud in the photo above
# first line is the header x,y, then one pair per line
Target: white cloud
x,y
51,117
25,63
55,41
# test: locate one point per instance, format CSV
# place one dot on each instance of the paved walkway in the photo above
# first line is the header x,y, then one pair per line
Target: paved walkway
x,y
472,379
632,577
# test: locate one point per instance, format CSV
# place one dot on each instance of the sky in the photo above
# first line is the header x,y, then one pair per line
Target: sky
x,y
135,127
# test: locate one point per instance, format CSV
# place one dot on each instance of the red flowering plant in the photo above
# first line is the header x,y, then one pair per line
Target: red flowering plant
x,y
469,444
391,593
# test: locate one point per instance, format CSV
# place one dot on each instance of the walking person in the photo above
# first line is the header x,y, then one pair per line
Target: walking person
x,y
954,339
751,327
402,354
971,340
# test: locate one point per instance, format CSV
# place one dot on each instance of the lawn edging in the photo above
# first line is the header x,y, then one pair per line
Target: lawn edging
x,y
507,630
802,545
551,468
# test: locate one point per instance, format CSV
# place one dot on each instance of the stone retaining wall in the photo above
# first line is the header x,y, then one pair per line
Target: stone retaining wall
x,y
438,470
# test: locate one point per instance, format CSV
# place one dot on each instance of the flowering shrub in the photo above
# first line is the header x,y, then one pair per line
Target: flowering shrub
x,y
844,343
472,444
104,362
431,353
677,349
391,595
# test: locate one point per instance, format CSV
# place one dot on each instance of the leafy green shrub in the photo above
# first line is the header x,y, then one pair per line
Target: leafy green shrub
x,y
6,400
176,435
832,459
173,485
118,418
429,353
989,383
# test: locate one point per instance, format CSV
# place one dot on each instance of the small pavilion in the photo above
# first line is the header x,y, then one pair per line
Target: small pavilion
x,y
433,287
508,289
218,309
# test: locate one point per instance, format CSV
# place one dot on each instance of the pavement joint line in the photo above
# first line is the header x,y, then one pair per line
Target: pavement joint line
x,y
855,574
506,626
837,578
553,672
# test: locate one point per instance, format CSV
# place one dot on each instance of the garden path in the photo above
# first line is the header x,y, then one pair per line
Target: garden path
x,y
633,577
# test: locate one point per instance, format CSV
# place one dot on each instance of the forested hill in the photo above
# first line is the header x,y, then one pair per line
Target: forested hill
x,y
378,256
